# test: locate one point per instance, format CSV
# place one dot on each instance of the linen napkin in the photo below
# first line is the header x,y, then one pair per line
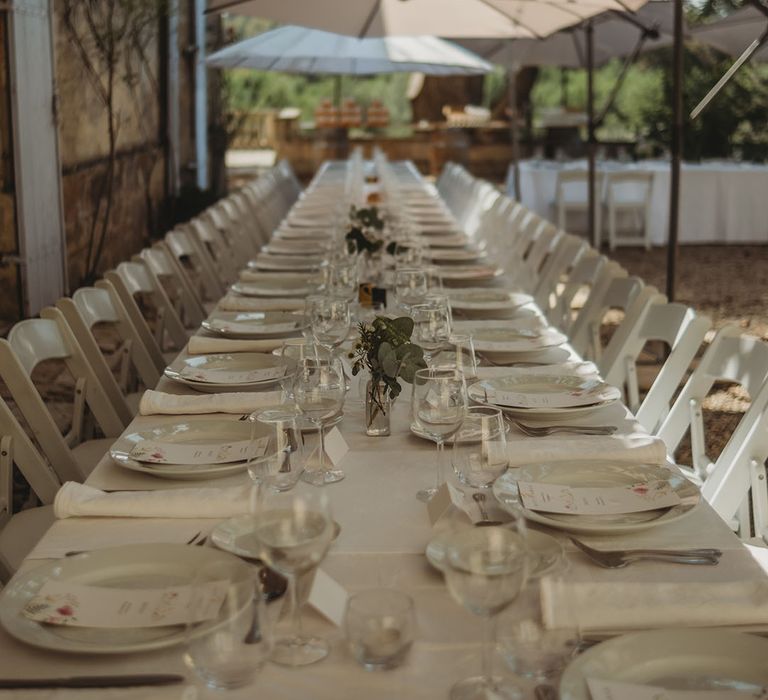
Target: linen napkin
x,y
633,449
630,606
74,499
237,303
199,345
158,402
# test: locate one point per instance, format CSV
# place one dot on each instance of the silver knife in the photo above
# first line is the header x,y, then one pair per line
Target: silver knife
x,y
93,681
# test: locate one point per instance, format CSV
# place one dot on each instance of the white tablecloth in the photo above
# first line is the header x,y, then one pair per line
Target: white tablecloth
x,y
720,202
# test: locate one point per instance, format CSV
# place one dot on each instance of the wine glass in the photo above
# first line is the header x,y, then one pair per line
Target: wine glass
x,y
479,452
330,321
294,531
342,278
439,401
319,388
485,569
279,468
410,286
229,649
432,327
459,352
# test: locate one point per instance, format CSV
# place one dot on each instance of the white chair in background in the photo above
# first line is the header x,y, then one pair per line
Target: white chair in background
x,y
731,357
556,270
680,329
628,194
212,245
581,280
20,532
616,293
36,340
572,196
535,258
90,307
194,262
134,279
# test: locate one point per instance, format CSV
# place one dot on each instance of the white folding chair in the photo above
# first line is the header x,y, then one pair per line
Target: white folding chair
x,y
615,292
20,531
572,196
36,340
194,262
578,286
556,269
680,329
212,245
134,279
629,194
731,357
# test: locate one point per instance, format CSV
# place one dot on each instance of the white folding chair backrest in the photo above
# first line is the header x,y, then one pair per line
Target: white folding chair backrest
x,y
731,357
527,275
164,271
195,263
215,248
582,279
628,191
681,330
94,306
736,484
555,271
617,293
133,278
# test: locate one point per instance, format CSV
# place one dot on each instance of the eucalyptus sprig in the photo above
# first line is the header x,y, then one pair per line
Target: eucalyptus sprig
x,y
385,349
367,217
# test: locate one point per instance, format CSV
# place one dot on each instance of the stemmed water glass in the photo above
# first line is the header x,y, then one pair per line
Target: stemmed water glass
x,y
439,401
319,388
479,452
459,352
341,278
294,531
432,326
485,569
330,320
411,286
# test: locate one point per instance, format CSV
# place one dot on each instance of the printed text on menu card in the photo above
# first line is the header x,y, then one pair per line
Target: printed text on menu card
x,y
557,498
80,605
223,376
615,690
159,452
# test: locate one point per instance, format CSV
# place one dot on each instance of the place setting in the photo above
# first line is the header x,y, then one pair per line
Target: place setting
x,y
254,324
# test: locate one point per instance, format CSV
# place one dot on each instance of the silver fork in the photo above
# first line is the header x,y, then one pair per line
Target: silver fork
x,y
544,430
619,558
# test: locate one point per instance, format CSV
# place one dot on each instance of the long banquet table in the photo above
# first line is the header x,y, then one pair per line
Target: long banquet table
x,y
720,202
384,531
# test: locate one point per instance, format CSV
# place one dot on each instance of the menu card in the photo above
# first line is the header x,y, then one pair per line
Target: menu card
x,y
79,605
158,452
615,500
615,690
225,376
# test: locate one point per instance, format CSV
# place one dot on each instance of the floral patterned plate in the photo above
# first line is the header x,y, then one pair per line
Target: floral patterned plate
x,y
129,566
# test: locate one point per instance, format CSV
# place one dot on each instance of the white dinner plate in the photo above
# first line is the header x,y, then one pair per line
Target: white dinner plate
x,y
296,248
236,362
487,299
598,474
683,659
129,566
458,255
546,552
254,324
200,432
471,273
544,396
439,241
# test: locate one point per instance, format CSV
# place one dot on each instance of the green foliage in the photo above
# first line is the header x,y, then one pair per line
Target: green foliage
x,y
385,349
365,225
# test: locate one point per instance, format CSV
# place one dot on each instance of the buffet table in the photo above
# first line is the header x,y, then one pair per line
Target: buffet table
x,y
720,202
384,532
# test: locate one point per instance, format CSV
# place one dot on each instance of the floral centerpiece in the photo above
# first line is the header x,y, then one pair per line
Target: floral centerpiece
x,y
366,229
385,349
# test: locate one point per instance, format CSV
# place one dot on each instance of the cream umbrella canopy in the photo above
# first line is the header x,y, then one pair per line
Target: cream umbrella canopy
x,y
444,18
300,50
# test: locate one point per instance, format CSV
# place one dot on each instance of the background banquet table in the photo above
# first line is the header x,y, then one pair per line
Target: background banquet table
x,y
384,532
720,202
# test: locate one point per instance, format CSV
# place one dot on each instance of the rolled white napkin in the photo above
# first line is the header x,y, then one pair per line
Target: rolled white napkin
x,y
199,345
637,449
237,303
578,369
630,606
154,402
75,499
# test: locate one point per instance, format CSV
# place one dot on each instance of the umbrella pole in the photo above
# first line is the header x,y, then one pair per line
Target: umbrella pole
x,y
591,135
512,78
676,147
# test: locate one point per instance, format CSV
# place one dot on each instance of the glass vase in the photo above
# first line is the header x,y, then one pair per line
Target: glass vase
x,y
378,407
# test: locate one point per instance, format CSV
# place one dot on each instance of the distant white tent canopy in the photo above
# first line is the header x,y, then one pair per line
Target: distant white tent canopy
x,y
300,50
615,35
444,18
733,34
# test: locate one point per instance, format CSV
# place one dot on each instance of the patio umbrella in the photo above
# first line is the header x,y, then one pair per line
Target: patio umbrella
x,y
445,18
736,32
300,50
